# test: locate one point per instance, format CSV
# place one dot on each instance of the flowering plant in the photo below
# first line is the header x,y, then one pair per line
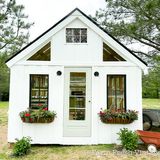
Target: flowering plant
x,y
39,106
42,115
118,116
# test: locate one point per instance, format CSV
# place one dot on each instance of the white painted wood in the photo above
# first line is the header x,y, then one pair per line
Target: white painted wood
x,y
87,57
83,64
77,128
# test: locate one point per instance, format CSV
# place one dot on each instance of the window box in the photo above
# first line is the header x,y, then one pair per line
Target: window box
x,y
37,116
37,120
117,121
118,116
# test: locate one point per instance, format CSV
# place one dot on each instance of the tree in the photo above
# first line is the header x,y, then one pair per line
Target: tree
x,y
136,21
13,28
4,78
13,35
151,82
133,21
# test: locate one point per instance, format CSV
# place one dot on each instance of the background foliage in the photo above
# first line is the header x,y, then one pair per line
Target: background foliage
x,y
13,35
136,23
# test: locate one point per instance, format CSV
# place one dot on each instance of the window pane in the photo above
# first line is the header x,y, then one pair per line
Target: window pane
x,y
76,114
110,55
116,91
76,31
68,31
77,97
38,91
69,39
76,39
83,39
84,31
43,54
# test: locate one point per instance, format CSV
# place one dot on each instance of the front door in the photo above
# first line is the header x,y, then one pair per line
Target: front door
x,y
77,102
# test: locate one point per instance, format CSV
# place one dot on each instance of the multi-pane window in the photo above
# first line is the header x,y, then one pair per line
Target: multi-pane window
x,y
38,91
76,35
116,92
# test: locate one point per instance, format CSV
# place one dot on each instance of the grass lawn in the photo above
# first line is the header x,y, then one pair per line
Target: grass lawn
x,y
3,105
57,152
151,103
3,113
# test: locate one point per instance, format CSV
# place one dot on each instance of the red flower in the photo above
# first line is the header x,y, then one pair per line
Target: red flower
x,y
27,114
45,109
30,119
101,113
39,105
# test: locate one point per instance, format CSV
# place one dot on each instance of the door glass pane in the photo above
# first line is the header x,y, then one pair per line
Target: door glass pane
x,y
77,96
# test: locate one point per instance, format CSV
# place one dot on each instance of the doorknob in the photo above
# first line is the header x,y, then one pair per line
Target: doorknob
x,y
89,101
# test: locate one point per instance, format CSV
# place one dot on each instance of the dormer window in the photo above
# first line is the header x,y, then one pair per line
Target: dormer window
x,y
76,35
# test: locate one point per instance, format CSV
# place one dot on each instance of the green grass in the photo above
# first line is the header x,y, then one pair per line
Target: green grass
x,y
151,103
58,152
3,105
3,113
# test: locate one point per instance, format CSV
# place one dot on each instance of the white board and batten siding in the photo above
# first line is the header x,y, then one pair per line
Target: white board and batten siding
x,y
71,57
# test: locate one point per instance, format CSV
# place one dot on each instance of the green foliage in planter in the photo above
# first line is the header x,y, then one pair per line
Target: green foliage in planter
x,y
109,114
42,114
129,139
22,146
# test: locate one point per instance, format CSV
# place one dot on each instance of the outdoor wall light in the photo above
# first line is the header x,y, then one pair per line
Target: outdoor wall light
x,y
96,74
59,73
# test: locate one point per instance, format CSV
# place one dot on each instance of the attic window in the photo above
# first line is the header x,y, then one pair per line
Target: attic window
x,y
43,54
76,35
110,55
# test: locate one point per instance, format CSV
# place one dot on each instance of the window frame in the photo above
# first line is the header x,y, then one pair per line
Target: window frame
x,y
125,89
30,91
75,35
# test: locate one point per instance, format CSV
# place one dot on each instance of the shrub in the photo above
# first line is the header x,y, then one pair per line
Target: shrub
x,y
22,146
129,139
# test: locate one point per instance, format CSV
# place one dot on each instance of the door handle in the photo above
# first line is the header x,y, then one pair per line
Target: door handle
x,y
89,101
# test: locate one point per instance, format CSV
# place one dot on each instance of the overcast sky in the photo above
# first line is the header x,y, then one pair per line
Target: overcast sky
x,y
45,13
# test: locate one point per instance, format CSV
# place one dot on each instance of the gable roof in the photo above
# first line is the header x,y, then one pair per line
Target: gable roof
x,y
90,19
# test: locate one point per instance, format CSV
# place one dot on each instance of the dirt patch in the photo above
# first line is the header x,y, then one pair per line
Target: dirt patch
x,y
3,136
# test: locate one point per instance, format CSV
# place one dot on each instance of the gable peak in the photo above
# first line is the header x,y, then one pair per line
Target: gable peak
x,y
76,12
